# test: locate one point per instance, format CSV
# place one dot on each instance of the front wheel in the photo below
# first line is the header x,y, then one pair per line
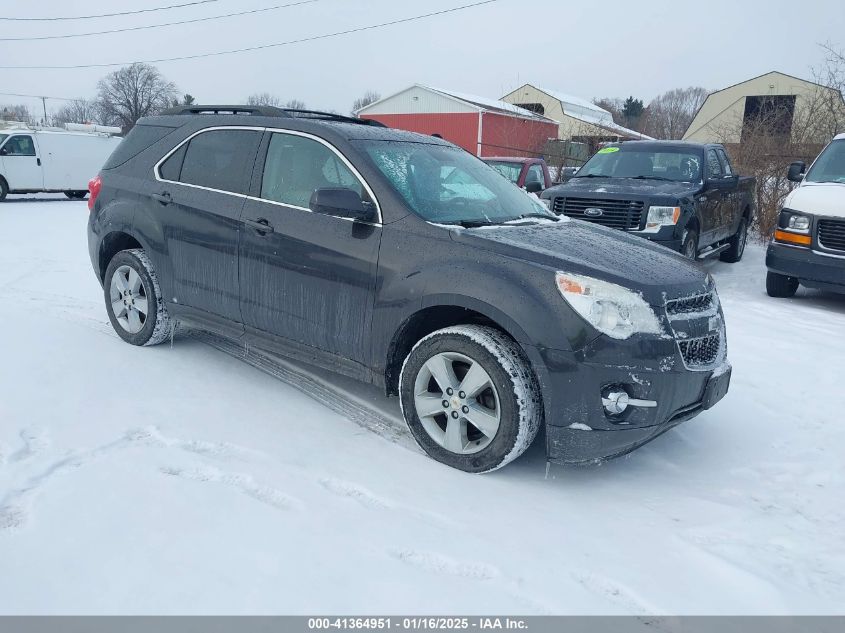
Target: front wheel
x,y
470,398
689,246
780,286
133,299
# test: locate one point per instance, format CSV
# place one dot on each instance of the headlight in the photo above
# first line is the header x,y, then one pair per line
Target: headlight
x,y
661,216
796,222
611,309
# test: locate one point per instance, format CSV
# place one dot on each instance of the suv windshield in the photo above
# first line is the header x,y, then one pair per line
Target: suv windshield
x,y
510,171
631,161
447,185
830,165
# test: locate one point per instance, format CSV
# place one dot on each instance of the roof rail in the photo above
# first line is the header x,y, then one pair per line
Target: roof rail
x,y
270,111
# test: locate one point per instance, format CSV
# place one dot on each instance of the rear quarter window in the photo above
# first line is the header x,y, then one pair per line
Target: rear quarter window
x,y
139,138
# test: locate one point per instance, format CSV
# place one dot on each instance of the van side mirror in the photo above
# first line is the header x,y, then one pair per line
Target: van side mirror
x,y
795,173
535,186
4,152
341,202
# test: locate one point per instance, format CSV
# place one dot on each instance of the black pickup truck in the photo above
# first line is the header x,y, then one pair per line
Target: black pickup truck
x,y
685,196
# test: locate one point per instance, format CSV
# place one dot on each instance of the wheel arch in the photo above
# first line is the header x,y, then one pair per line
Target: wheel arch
x,y
112,243
439,312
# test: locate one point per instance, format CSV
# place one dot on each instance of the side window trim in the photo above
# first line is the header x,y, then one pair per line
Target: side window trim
x,y
337,153
185,141
262,149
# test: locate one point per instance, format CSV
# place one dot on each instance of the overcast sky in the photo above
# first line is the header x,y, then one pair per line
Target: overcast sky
x,y
588,49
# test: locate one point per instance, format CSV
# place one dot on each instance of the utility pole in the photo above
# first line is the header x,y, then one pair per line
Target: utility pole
x,y
44,104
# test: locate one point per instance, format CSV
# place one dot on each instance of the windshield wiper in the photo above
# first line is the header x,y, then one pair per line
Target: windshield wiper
x,y
651,178
548,216
470,224
592,176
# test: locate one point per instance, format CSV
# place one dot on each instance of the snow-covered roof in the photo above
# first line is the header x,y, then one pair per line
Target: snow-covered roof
x,y
589,112
487,104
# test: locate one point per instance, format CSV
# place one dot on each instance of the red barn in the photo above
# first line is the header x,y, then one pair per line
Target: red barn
x,y
485,127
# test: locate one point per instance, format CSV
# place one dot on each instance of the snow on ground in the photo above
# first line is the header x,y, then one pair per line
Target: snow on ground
x,y
189,480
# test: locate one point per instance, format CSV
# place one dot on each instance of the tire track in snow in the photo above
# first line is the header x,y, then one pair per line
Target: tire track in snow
x,y
243,483
334,399
16,505
35,442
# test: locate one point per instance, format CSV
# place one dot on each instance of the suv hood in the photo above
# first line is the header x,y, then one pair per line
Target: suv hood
x,y
818,198
623,187
587,249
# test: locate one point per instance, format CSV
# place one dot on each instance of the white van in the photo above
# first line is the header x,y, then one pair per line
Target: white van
x,y
808,247
33,160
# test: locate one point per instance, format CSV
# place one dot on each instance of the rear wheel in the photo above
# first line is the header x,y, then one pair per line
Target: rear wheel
x,y
737,244
470,398
76,195
133,299
780,285
689,246
4,189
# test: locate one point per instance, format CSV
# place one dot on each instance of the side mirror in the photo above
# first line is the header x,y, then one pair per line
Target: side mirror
x,y
795,173
4,152
535,186
341,202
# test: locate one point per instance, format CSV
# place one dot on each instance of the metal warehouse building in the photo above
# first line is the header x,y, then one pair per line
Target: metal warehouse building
x,y
484,127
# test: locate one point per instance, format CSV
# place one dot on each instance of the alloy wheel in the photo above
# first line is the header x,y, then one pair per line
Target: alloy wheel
x,y
457,403
129,301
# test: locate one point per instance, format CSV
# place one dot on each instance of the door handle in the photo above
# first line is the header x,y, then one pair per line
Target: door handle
x,y
163,197
261,226
38,161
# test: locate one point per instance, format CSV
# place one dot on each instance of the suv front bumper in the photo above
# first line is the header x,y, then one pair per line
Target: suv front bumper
x,y
811,268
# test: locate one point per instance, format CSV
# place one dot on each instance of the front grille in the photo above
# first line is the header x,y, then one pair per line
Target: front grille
x,y
617,214
690,305
832,234
700,352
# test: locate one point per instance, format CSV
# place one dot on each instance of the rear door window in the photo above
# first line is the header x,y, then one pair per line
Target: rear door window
x,y
296,166
219,159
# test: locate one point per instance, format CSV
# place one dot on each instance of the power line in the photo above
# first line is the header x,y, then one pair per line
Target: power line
x,y
14,94
155,26
110,15
260,47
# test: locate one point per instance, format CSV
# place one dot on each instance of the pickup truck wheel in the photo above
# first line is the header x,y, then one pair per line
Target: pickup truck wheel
x,y
780,286
689,246
470,398
737,244
4,189
133,299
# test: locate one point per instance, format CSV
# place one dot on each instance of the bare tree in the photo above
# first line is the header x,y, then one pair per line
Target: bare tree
x,y
613,105
371,96
295,104
77,111
15,112
263,99
132,92
669,115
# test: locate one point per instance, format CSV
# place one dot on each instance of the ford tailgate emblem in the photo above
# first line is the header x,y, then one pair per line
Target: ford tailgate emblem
x,y
593,212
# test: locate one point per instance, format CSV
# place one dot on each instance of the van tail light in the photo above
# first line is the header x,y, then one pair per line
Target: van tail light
x,y
94,186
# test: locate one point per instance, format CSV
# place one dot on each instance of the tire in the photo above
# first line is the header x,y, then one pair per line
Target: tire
x,y
780,286
76,195
130,277
505,390
737,244
4,189
689,245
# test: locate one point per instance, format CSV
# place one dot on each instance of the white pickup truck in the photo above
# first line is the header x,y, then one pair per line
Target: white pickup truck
x,y
34,160
808,247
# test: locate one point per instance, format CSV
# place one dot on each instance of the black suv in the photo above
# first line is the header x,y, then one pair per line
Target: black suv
x,y
402,260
